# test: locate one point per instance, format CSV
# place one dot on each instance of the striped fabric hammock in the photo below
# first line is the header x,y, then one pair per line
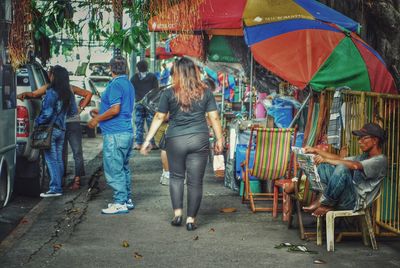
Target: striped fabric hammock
x,y
272,153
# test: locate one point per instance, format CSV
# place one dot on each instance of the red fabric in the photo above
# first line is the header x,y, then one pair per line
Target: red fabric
x,y
298,62
189,45
380,79
213,14
161,53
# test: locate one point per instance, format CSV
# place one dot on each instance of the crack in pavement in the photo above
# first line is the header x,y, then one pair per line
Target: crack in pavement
x,y
66,223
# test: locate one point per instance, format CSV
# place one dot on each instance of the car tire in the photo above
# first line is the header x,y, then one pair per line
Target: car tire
x,y
43,180
4,187
35,179
91,132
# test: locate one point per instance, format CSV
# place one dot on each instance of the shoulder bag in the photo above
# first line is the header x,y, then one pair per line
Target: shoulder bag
x,y
41,136
152,98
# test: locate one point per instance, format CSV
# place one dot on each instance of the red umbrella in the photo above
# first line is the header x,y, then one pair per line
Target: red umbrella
x,y
227,17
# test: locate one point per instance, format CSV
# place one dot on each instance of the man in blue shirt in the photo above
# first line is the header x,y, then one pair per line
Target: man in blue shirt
x,y
165,74
115,118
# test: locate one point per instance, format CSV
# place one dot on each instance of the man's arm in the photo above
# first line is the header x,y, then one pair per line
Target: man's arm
x,y
87,95
110,113
333,159
324,154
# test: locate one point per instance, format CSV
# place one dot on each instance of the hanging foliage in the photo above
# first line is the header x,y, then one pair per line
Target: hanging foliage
x,y
184,13
20,41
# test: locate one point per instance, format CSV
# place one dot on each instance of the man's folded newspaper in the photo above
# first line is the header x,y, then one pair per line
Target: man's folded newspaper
x,y
307,164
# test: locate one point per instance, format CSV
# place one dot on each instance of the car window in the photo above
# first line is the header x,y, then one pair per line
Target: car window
x,y
22,77
8,89
93,88
100,68
38,74
100,84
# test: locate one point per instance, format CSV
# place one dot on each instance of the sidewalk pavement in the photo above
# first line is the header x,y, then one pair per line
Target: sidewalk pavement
x,y
71,232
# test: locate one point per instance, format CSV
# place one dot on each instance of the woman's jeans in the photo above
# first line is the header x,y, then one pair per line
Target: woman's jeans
x,y
187,155
117,149
54,160
73,136
142,115
339,191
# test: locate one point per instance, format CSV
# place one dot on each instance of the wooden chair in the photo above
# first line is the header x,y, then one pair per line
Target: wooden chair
x,y
302,196
271,162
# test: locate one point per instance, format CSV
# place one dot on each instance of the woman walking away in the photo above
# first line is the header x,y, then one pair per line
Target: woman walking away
x,y
188,102
55,106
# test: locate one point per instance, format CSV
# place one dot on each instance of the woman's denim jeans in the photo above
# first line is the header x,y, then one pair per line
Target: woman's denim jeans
x,y
339,191
117,149
73,136
54,160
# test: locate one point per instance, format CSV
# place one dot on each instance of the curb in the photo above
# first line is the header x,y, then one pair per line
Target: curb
x,y
30,218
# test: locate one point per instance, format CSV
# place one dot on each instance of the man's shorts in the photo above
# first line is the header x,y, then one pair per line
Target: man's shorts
x,y
159,134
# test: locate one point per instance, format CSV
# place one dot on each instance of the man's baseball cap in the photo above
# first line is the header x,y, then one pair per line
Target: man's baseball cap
x,y
370,129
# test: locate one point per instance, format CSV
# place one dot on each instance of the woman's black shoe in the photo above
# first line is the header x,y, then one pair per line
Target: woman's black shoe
x,y
191,226
177,221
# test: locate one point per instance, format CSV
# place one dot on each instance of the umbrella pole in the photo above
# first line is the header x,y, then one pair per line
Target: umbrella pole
x,y
223,99
240,90
300,110
251,87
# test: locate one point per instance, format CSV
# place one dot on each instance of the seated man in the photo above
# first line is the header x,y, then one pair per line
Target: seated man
x,y
351,182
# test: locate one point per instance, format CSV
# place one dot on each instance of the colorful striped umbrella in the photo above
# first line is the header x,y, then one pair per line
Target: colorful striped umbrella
x,y
306,52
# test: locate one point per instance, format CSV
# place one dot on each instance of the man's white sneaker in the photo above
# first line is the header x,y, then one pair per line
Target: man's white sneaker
x,y
129,204
115,209
50,194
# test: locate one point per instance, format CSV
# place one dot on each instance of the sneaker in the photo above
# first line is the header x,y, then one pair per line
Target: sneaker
x,y
115,209
164,180
50,194
129,204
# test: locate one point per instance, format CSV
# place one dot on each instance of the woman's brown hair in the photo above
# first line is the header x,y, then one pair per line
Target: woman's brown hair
x,y
187,84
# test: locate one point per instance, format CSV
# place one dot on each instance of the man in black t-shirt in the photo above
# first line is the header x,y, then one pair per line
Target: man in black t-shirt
x,y
143,81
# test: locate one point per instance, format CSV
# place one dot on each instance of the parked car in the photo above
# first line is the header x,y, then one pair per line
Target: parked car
x,y
100,82
87,84
31,172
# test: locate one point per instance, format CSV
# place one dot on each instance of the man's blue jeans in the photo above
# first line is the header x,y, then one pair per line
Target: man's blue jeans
x,y
339,191
117,149
54,160
142,115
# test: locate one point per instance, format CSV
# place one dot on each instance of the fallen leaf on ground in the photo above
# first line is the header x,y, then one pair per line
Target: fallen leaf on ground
x,y
137,256
125,244
196,237
227,210
57,246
